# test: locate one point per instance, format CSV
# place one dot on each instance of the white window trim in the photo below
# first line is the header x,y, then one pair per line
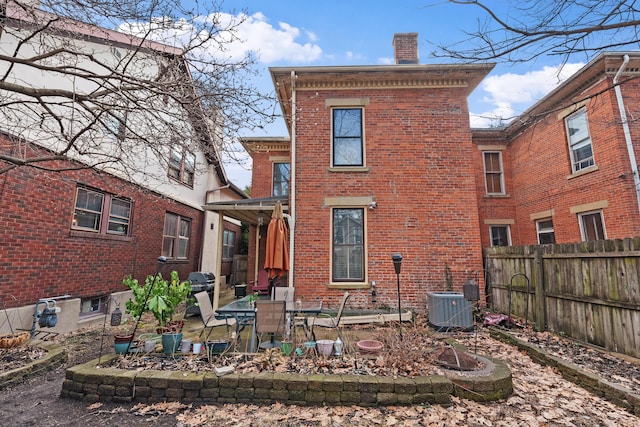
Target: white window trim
x,y
574,165
500,225
484,166
580,223
544,230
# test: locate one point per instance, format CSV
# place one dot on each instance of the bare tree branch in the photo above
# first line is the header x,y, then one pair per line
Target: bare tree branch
x,y
111,98
532,28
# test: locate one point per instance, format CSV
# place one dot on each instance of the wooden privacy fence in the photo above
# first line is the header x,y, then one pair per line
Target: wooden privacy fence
x,y
589,291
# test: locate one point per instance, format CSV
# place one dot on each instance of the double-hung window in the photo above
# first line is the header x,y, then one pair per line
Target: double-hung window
x,y
281,178
592,226
500,235
115,123
228,242
101,213
348,245
182,165
544,229
580,148
176,236
348,141
494,176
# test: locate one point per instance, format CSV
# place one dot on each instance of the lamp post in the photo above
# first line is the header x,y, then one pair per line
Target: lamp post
x,y
397,264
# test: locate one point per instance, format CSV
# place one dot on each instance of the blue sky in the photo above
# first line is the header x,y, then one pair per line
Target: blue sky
x,y
360,32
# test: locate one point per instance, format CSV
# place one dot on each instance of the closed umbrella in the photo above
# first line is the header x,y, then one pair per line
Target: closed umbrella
x,y
277,248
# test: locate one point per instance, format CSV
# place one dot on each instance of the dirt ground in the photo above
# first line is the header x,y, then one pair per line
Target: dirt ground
x,y
541,398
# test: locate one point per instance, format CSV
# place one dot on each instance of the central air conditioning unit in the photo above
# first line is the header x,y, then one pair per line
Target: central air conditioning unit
x,y
449,311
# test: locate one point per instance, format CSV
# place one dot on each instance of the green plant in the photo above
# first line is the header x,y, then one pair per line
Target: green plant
x,y
163,299
253,297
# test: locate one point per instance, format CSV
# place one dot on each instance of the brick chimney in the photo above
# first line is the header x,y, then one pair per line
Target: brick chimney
x,y
405,48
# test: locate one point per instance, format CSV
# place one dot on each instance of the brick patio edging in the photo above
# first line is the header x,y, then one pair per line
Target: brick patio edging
x,y
597,385
55,356
89,383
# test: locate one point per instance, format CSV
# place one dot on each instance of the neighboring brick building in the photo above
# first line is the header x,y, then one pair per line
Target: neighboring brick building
x,y
67,229
538,190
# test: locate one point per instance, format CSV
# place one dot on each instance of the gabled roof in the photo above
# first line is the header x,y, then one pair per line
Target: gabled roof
x,y
14,12
19,17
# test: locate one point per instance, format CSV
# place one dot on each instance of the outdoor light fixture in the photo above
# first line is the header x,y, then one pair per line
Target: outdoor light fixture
x,y
260,219
397,264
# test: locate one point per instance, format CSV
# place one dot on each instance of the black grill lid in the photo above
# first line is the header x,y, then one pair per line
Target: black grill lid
x,y
201,278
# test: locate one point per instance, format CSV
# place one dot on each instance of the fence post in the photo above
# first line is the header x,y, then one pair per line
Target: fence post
x,y
541,300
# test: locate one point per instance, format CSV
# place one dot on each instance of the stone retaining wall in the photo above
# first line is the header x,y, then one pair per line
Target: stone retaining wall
x,y
597,385
91,384
55,356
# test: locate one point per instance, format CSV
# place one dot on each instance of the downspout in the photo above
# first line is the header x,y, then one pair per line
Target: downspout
x,y
292,183
625,128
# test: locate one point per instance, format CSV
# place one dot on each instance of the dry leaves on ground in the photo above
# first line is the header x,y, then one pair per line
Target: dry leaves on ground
x,y
541,398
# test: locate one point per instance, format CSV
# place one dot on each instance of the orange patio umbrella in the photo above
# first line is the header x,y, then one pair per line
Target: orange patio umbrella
x,y
277,247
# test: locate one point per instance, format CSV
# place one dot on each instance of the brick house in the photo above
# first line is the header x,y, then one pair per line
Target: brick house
x,y
566,169
391,148
378,160
80,231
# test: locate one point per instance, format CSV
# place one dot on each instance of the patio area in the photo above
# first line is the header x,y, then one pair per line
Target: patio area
x,y
356,326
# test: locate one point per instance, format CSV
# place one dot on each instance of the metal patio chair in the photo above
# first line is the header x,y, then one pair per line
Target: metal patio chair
x,y
209,319
323,320
270,319
282,293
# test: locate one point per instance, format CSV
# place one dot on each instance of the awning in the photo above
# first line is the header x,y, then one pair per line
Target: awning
x,y
250,211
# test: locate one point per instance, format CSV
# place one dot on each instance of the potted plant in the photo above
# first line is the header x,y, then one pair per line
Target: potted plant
x,y
161,297
253,298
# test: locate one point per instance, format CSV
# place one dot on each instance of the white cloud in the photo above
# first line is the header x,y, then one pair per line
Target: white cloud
x,y
274,44
256,34
511,94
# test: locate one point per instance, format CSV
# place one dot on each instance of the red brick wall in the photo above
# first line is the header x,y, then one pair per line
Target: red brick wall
x,y
418,146
39,255
493,207
538,168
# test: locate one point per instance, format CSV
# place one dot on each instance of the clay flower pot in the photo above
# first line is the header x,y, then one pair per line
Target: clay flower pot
x,y
122,338
369,346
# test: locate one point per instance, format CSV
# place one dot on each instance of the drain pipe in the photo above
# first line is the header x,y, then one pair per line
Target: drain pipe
x,y
292,181
625,128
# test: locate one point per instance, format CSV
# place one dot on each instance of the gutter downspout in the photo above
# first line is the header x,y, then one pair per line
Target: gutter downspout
x,y
625,128
292,184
